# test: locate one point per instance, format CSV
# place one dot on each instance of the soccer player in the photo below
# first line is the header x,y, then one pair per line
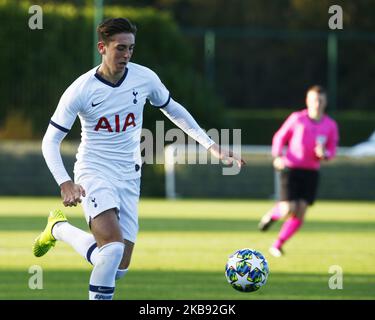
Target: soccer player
x,y
109,101
311,136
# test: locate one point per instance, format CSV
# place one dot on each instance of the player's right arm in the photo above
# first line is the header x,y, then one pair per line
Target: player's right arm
x,y
280,139
70,192
60,124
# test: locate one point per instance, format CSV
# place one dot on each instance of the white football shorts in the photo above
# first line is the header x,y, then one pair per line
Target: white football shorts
x,y
102,195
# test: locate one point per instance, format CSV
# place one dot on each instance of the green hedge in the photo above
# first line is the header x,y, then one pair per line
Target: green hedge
x,y
38,65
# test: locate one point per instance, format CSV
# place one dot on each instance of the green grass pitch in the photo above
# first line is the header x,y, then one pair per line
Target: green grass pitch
x,y
183,245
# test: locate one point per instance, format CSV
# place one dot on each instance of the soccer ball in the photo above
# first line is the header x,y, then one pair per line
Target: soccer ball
x,y
246,270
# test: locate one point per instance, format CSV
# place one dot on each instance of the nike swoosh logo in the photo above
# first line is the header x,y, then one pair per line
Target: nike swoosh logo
x,y
95,104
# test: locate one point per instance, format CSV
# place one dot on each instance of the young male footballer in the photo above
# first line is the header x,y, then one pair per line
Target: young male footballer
x,y
109,101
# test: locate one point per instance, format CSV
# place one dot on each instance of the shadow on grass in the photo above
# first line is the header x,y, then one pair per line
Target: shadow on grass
x,y
27,223
185,285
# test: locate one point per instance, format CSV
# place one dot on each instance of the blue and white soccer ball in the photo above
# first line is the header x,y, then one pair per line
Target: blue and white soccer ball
x,y
247,270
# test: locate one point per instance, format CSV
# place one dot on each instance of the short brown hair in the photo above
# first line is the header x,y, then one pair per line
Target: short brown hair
x,y
113,26
318,89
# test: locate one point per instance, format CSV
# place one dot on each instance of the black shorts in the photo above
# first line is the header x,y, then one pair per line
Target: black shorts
x,y
298,184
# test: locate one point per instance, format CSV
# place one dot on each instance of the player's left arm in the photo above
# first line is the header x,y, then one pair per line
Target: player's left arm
x,y
332,142
328,151
159,96
184,120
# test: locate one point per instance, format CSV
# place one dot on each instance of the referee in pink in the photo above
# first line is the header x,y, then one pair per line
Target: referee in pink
x,y
310,136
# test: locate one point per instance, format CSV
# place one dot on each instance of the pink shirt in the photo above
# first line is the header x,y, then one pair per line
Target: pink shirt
x,y
301,134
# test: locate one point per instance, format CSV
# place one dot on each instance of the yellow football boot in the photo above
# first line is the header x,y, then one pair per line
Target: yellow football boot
x,y
45,240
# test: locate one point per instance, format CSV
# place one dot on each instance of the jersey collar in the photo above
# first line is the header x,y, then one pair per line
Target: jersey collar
x,y
113,85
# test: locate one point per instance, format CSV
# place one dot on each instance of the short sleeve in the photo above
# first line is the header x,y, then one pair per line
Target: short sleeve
x,y
68,107
159,95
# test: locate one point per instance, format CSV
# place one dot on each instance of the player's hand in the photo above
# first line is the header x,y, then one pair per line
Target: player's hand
x,y
278,163
71,193
320,151
226,156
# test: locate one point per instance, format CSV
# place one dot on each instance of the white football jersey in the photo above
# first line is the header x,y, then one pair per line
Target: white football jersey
x,y
111,119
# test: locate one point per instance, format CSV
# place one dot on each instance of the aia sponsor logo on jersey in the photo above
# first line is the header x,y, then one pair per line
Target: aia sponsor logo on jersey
x,y
119,125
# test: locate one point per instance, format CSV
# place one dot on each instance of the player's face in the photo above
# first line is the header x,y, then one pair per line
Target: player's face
x,y
316,104
118,51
